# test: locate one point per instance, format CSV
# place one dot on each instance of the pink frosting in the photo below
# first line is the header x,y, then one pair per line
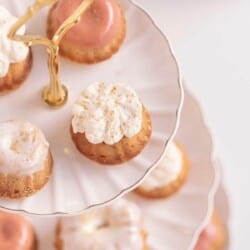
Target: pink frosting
x,y
99,25
15,232
206,238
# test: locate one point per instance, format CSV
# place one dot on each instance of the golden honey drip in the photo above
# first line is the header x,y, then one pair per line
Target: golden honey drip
x,y
55,94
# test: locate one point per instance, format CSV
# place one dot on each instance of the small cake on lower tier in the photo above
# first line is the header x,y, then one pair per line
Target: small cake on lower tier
x,y
168,176
117,226
16,233
213,236
25,159
15,57
110,125
97,37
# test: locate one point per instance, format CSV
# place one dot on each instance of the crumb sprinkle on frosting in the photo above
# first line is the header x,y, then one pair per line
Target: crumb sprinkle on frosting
x,y
107,112
23,148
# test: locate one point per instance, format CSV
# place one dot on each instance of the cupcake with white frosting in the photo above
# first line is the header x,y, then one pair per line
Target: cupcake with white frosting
x,y
25,159
117,226
110,125
15,57
168,176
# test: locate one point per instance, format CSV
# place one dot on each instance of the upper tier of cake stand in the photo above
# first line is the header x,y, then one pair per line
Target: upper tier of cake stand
x,y
147,64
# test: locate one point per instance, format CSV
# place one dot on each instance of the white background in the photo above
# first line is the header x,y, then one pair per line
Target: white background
x,y
211,40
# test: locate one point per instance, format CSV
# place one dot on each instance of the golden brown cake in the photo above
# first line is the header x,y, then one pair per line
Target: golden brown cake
x,y
25,159
110,125
168,177
117,226
97,37
213,236
16,233
15,57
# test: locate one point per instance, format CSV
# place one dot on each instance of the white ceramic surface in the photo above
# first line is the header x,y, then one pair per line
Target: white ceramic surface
x,y
173,223
146,63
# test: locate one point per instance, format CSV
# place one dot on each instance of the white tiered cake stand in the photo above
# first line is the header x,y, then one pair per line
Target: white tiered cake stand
x,y
145,62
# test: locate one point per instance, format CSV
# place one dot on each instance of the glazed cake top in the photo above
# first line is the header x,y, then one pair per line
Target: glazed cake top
x,y
118,226
99,25
15,232
209,235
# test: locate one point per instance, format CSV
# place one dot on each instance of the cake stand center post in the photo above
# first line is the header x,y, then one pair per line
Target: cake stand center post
x,y
55,94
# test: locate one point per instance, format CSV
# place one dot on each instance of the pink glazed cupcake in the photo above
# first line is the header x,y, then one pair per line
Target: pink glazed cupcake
x,y
213,236
96,37
16,233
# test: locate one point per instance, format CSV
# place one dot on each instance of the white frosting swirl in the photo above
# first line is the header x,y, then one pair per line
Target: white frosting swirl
x,y
167,171
10,51
107,112
23,148
117,226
